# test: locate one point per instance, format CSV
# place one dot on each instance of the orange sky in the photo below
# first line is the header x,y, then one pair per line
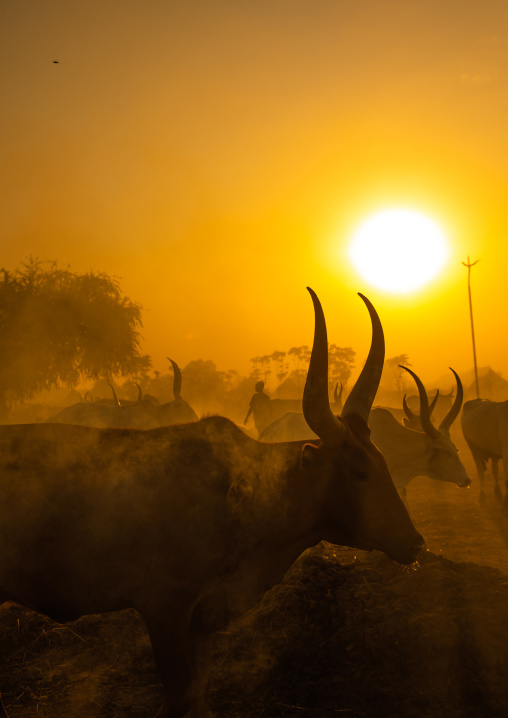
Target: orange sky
x,y
216,155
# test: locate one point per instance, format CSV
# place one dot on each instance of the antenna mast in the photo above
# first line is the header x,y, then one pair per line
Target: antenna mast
x,y
469,264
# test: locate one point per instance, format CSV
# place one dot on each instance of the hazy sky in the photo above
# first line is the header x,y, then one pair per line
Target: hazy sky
x,y
217,155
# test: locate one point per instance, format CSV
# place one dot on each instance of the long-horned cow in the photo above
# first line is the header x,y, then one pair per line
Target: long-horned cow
x,y
485,429
191,524
416,448
441,402
406,415
142,414
429,451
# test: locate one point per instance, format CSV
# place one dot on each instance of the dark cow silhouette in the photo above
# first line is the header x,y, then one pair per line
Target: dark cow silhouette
x,y
142,414
267,412
485,429
405,415
441,403
191,524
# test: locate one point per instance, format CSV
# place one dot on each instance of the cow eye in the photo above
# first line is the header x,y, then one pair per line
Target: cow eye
x,y
361,474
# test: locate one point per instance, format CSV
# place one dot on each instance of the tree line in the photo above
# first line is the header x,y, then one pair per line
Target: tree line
x,y
295,361
61,328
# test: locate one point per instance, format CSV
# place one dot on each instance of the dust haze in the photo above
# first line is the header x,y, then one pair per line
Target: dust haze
x,y
173,176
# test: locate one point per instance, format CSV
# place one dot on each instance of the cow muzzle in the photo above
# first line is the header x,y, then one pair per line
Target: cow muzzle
x,y
408,554
465,483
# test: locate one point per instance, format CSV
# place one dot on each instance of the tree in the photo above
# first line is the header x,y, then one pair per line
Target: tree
x,y
341,361
59,327
202,383
396,374
255,368
301,359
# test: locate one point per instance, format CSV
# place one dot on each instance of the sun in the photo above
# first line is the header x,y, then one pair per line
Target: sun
x,y
399,250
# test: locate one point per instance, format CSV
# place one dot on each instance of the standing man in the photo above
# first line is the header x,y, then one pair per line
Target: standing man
x,y
260,407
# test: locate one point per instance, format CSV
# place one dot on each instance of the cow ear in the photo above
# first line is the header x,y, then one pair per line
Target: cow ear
x,y
357,423
311,457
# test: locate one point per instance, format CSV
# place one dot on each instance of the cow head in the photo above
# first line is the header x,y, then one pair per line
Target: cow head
x,y
444,463
362,508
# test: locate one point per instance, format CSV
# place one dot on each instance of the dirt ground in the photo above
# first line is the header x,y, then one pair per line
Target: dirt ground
x,y
346,633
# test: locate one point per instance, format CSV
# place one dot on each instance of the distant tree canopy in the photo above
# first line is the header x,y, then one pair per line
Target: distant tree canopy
x,y
395,374
341,361
57,327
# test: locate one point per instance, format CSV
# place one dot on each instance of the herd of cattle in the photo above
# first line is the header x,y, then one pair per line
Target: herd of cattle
x,y
191,520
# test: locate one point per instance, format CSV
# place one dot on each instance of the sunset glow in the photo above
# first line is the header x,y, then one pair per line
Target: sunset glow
x,y
399,250
216,181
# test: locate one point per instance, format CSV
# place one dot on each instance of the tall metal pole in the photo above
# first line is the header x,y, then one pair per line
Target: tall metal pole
x,y
469,264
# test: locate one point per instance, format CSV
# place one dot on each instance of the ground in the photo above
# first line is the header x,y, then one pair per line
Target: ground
x,y
346,633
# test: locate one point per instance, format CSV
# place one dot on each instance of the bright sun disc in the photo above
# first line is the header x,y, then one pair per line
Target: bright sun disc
x,y
399,250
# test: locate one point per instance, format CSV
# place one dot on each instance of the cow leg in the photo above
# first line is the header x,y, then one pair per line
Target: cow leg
x,y
495,473
480,468
497,492
495,464
171,649
202,662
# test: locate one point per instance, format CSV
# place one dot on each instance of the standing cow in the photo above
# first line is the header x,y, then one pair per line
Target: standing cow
x,y
191,524
441,402
485,429
428,451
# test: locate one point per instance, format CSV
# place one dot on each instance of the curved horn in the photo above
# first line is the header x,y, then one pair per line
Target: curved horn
x,y
454,411
407,410
425,421
114,393
316,405
177,381
140,393
362,395
410,414
434,402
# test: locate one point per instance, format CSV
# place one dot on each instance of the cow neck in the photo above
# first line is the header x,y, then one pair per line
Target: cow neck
x,y
294,493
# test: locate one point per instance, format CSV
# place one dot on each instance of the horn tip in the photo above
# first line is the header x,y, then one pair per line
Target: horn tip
x,y
365,299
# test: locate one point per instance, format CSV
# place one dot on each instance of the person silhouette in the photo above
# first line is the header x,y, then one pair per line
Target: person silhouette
x,y
259,407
